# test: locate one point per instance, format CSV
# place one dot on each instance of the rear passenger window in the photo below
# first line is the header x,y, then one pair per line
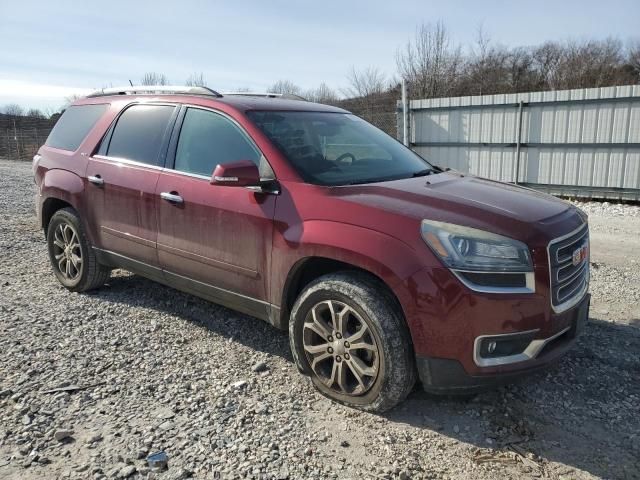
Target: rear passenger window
x,y
74,125
208,139
139,132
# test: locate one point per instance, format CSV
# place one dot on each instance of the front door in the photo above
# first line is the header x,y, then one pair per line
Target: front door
x,y
121,182
218,238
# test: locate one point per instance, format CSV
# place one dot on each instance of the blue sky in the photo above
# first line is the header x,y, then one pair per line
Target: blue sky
x,y
53,48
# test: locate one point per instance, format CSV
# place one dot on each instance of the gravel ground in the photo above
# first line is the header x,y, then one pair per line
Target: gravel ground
x,y
150,369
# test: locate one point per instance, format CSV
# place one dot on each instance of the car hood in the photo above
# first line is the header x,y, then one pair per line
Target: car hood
x,y
464,199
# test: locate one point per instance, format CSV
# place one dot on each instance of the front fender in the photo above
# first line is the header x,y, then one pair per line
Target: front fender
x,y
386,257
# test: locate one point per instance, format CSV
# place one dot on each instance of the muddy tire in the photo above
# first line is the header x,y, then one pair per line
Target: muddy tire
x,y
348,334
73,260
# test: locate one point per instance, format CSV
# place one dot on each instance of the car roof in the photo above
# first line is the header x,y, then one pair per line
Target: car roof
x,y
248,102
239,101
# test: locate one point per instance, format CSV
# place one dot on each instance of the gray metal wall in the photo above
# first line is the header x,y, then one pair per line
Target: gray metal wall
x,y
582,142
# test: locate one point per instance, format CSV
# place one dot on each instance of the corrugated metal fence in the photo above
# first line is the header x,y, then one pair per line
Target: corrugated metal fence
x,y
582,142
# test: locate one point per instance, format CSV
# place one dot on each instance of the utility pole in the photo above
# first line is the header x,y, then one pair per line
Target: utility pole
x,y
15,137
405,114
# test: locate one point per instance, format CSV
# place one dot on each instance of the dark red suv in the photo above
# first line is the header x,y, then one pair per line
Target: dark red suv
x,y
382,266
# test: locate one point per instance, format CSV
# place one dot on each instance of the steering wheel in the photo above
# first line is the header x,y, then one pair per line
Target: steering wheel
x,y
344,156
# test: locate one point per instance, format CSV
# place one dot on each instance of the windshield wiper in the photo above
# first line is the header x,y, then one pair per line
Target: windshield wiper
x,y
425,172
374,180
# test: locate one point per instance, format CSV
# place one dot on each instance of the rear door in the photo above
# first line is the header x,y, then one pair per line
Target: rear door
x,y
122,178
219,236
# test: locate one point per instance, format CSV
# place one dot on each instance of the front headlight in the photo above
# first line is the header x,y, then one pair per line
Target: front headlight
x,y
470,249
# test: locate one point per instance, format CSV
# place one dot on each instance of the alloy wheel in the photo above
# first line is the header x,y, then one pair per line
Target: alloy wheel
x,y
341,348
67,252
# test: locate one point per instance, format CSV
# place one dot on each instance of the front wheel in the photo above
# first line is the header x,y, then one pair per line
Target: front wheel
x,y
349,336
72,258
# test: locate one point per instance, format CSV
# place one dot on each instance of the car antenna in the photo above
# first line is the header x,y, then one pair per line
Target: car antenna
x,y
130,82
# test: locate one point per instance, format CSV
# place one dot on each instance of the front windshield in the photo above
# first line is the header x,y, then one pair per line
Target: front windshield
x,y
329,148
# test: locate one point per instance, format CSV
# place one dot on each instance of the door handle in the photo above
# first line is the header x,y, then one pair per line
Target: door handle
x,y
171,197
96,179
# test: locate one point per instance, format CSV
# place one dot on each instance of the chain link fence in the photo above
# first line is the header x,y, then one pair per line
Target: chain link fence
x,y
380,110
21,136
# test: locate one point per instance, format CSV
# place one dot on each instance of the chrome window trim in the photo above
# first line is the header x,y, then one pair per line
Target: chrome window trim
x,y
126,161
573,301
530,282
187,174
532,351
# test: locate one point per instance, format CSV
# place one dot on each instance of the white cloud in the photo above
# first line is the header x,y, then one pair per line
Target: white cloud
x,y
19,88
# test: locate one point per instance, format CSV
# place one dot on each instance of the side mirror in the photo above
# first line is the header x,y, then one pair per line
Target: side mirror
x,y
243,173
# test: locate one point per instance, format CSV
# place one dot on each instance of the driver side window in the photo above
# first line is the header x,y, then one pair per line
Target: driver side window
x,y
208,139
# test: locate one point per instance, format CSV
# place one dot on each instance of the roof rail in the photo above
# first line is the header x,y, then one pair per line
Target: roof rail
x,y
157,89
289,96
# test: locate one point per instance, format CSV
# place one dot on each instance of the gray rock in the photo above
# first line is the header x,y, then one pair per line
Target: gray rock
x,y
126,472
61,435
239,384
168,425
166,414
259,367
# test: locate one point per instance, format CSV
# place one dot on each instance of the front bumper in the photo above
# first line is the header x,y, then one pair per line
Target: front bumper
x,y
448,376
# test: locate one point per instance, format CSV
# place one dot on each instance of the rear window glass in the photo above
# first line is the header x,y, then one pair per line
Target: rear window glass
x,y
139,132
74,125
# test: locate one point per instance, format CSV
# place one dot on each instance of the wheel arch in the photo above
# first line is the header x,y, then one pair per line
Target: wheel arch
x,y
60,189
308,269
49,207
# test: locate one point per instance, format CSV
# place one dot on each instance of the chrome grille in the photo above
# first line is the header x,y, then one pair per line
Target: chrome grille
x,y
569,282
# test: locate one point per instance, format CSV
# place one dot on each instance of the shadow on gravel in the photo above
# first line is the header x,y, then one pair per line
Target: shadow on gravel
x,y
134,290
582,414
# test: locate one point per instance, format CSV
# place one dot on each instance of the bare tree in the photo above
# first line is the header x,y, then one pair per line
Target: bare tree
x,y
546,58
322,94
488,68
285,87
429,62
70,99
520,70
34,113
49,112
153,78
196,80
366,82
591,63
633,55
13,110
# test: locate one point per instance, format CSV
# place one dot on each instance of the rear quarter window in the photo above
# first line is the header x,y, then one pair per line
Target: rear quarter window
x,y
74,125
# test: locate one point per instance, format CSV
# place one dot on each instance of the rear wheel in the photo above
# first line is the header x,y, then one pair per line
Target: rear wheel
x,y
72,258
349,336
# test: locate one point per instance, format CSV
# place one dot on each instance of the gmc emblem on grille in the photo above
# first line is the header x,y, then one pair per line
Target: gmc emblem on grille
x,y
579,255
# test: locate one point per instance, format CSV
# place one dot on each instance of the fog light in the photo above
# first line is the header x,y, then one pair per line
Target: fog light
x,y
505,345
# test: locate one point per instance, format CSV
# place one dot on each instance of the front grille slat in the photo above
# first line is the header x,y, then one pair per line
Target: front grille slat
x,y
566,272
568,282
